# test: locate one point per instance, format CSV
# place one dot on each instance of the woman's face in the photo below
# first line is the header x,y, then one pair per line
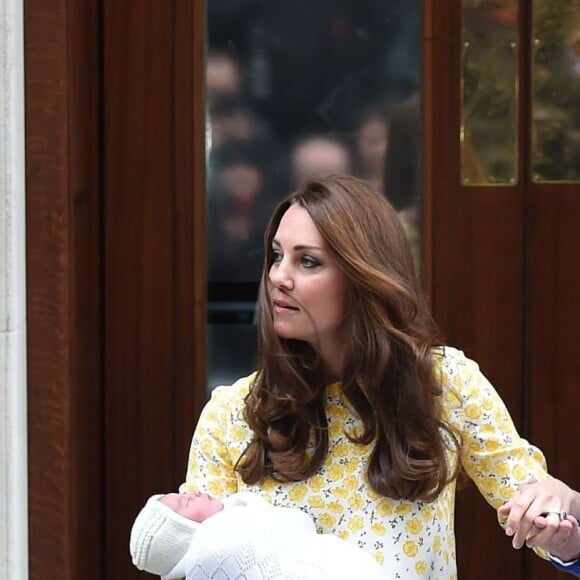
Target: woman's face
x,y
308,291
372,144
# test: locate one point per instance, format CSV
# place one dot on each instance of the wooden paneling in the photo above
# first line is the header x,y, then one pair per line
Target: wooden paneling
x,y
86,422
477,277
504,288
190,248
116,270
63,278
154,258
554,324
554,327
138,271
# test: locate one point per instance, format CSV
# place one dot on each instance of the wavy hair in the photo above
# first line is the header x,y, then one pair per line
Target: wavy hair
x,y
388,376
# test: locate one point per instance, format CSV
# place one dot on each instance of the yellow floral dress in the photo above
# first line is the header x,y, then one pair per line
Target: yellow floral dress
x,y
410,539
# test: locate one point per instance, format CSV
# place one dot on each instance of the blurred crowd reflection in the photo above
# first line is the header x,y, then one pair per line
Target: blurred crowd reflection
x,y
299,89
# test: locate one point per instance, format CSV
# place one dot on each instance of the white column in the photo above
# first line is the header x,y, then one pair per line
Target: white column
x,y
13,441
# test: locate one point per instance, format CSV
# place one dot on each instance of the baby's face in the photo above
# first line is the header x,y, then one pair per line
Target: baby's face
x,y
193,506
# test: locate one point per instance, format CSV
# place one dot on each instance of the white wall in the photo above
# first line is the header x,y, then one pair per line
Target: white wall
x,y
13,443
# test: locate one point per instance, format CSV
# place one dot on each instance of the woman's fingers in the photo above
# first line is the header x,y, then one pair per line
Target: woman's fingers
x,y
548,495
521,517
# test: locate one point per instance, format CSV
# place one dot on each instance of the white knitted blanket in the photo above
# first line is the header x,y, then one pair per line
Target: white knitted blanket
x,y
251,540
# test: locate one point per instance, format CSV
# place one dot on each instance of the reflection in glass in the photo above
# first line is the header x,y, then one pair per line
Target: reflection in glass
x,y
556,90
294,90
489,92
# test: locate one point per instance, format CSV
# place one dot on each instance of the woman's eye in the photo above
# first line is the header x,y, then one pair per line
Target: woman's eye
x,y
276,256
310,262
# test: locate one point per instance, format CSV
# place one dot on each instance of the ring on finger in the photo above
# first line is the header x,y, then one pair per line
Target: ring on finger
x,y
562,515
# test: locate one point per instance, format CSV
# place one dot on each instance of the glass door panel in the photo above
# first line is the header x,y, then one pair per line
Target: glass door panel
x,y
489,92
296,89
555,91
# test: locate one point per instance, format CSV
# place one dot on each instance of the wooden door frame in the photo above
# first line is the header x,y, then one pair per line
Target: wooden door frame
x,y
67,338
475,273
71,506
153,254
63,288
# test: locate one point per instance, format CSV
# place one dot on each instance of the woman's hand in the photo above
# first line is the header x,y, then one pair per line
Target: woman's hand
x,y
538,499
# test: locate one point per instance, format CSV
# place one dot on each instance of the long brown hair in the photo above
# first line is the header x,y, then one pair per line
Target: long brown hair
x,y
388,376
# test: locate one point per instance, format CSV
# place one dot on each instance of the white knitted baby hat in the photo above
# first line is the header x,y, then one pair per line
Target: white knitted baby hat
x,y
160,537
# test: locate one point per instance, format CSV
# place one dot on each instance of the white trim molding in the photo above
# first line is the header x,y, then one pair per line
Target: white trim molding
x,y
13,440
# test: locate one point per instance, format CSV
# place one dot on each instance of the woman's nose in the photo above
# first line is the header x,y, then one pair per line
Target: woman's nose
x,y
281,275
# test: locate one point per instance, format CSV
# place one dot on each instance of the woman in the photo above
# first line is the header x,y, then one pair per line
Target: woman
x,y
357,414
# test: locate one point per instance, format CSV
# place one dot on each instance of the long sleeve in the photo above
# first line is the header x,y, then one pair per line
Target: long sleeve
x,y
571,567
492,454
218,442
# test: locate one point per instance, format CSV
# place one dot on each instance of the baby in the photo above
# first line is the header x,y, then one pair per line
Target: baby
x,y
198,537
